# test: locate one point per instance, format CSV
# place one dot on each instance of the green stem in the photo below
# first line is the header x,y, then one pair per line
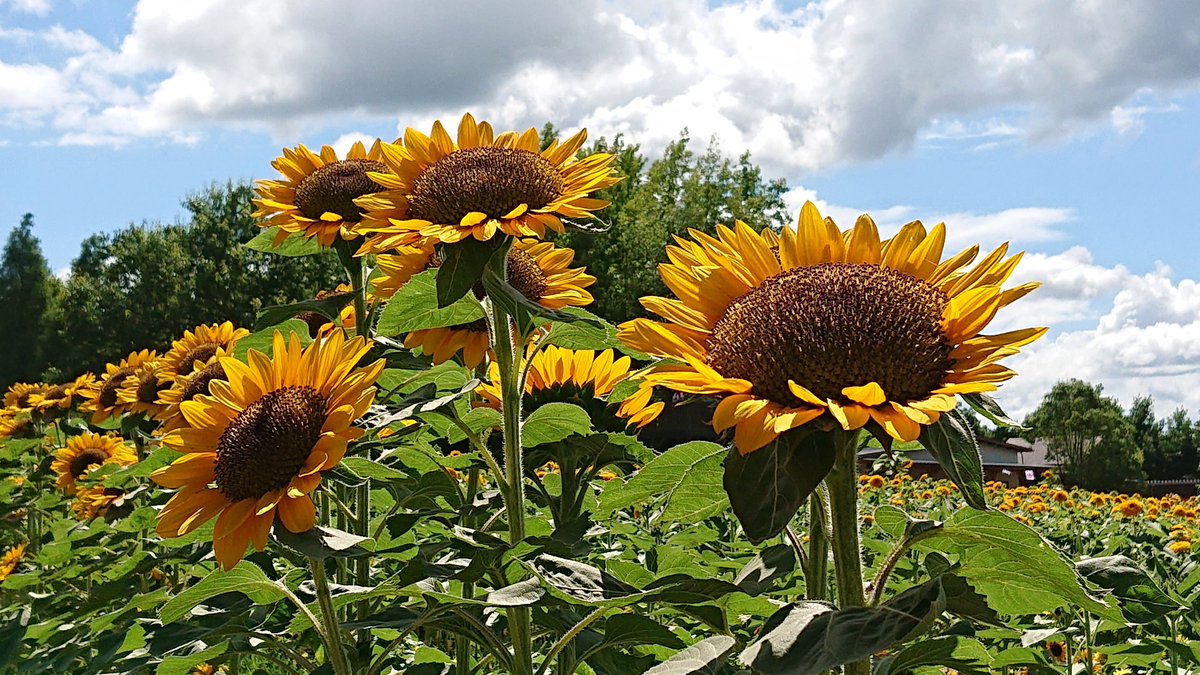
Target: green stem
x,y
335,654
568,639
816,575
507,362
847,552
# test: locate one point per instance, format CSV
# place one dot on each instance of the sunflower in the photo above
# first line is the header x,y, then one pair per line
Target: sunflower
x,y
818,323
85,452
538,270
19,397
481,184
92,502
316,197
186,388
61,396
198,345
259,442
10,560
141,390
582,377
101,395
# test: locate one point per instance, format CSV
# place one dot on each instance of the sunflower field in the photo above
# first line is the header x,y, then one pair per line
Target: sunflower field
x,y
448,465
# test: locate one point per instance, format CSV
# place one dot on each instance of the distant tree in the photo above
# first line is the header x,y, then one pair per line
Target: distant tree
x,y
1180,446
678,191
144,285
1148,434
1088,436
28,290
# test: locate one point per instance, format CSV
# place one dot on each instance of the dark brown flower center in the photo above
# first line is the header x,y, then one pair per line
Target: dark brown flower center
x,y
108,390
524,275
832,326
149,387
57,393
201,353
198,384
493,181
334,187
267,444
85,459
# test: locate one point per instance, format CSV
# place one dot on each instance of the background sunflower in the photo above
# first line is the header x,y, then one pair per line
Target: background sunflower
x,y
85,452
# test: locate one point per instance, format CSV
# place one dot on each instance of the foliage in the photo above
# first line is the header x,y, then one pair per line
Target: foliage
x,y
1089,436
27,290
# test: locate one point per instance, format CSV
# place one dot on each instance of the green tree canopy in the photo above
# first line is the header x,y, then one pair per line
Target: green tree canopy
x,y
1088,435
28,289
142,286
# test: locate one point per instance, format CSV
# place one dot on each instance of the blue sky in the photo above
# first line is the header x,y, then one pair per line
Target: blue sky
x,y
1069,129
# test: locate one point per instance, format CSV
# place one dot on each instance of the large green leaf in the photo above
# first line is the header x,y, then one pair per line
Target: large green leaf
x,y
325,542
246,579
1139,599
805,638
262,340
294,246
770,564
632,629
462,267
415,307
703,658
768,486
962,654
687,477
1011,565
952,443
553,422
328,308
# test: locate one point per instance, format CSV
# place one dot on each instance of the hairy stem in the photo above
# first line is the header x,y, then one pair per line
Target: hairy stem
x,y
335,654
847,552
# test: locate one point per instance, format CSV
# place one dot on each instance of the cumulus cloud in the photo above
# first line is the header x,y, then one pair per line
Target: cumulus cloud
x,y
39,7
801,89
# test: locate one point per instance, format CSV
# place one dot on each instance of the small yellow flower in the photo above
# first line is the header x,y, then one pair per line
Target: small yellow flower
x,y
875,481
1181,546
11,559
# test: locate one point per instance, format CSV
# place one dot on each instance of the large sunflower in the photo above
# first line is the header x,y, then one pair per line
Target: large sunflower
x,y
61,396
198,345
258,444
316,197
538,270
447,189
818,322
581,377
101,396
86,452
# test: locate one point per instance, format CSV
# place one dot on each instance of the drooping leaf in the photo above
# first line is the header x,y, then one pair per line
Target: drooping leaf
x,y
961,654
687,477
770,564
805,638
415,307
1137,596
183,664
462,267
246,578
1011,565
631,630
768,486
328,308
580,582
325,542
294,246
952,443
988,407
703,658
553,422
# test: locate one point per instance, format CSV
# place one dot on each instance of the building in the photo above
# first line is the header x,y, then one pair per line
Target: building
x,y
1013,463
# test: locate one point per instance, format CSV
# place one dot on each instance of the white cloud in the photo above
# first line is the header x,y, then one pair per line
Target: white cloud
x,y
837,81
39,7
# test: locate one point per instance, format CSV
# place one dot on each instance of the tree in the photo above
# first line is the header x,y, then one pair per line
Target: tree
x,y
678,191
28,289
142,286
1180,447
1089,437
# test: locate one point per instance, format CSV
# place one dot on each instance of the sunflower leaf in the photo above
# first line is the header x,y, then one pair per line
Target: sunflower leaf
x,y
325,542
988,407
962,654
1140,600
415,307
262,340
706,657
768,486
553,422
951,442
687,477
809,637
295,246
462,267
246,578
328,308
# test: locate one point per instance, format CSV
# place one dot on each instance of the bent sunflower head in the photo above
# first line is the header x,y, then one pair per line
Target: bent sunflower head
x,y
819,324
61,396
21,396
258,443
100,397
317,193
478,184
84,453
582,377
